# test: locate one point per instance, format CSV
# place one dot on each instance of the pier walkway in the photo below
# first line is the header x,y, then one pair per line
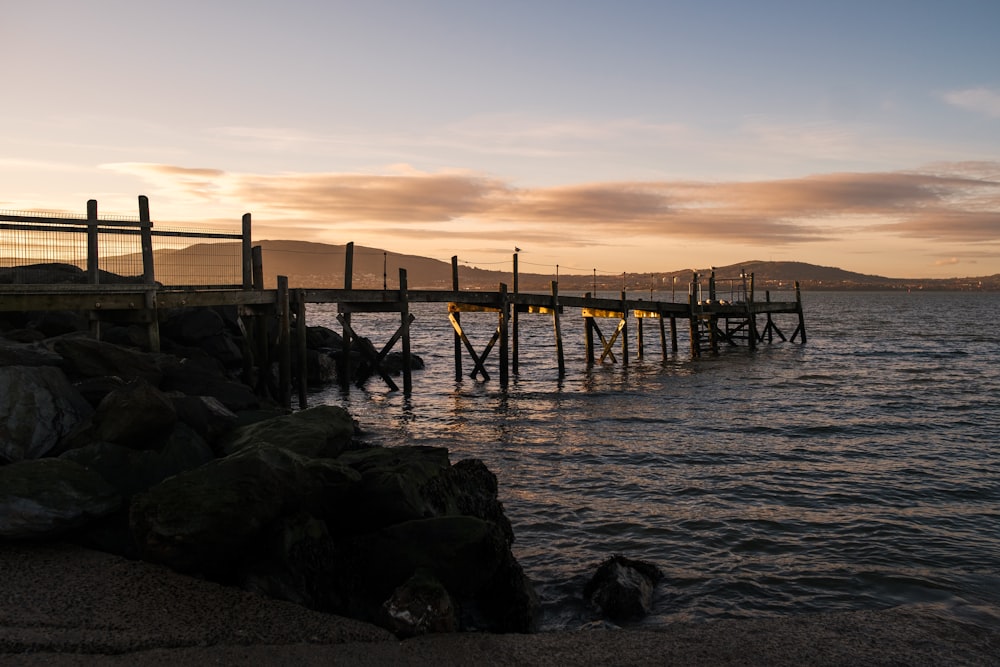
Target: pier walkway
x,y
711,321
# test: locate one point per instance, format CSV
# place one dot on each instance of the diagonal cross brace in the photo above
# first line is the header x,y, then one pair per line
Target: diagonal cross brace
x,y
376,357
609,343
476,359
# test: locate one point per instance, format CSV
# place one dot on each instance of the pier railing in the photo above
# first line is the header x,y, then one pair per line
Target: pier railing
x,y
122,246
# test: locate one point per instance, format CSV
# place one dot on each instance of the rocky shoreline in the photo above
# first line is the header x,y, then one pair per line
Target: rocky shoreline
x,y
170,458
160,509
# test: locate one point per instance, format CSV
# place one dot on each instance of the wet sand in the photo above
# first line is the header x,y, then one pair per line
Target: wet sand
x,y
64,605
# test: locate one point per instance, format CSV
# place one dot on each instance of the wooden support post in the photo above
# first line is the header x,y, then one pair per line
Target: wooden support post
x,y
346,371
284,345
246,252
693,310
640,352
302,358
588,337
663,336
504,351
404,325
802,318
93,263
623,327
560,357
514,327
673,334
752,334
456,316
262,336
148,272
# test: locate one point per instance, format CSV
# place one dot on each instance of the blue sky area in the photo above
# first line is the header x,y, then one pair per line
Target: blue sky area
x,y
616,136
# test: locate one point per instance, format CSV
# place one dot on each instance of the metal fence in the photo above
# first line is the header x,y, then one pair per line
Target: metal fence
x,y
49,248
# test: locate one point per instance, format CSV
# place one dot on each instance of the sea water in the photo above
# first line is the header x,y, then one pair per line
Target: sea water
x,y
860,470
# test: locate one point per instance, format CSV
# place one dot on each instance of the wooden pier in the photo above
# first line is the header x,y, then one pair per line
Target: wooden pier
x,y
712,322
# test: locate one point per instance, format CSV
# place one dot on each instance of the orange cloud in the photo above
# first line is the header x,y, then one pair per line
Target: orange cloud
x,y
947,202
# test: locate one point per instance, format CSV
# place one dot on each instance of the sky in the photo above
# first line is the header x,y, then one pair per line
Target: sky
x,y
595,136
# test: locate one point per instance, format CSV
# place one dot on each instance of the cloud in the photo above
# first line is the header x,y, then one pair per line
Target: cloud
x,y
947,262
980,100
945,202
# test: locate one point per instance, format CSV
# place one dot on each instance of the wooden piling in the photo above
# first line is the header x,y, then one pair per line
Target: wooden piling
x,y
404,326
560,357
503,331
302,356
458,319
801,330
623,327
588,333
693,316
284,345
514,321
346,367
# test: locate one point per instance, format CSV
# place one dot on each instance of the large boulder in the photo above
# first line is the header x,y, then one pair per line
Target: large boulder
x,y
622,588
131,471
49,497
206,519
137,415
39,407
88,358
13,353
468,556
324,431
200,376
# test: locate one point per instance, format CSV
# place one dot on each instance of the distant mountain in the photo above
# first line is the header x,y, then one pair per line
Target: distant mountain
x,y
321,265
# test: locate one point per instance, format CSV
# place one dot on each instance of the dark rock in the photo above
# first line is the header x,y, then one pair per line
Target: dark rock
x,y
294,563
39,408
194,378
95,389
205,519
469,556
89,358
321,338
397,484
393,363
136,415
49,497
205,414
131,471
421,605
622,588
57,322
13,353
324,431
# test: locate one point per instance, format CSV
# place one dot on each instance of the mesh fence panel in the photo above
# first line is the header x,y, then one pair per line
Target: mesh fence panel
x,y
181,258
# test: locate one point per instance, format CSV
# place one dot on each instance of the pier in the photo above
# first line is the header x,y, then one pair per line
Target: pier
x,y
718,311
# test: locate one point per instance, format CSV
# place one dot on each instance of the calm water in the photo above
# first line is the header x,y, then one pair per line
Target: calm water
x,y
858,471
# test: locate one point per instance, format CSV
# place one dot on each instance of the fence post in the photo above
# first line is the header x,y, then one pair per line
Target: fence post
x,y
93,261
146,234
246,253
148,274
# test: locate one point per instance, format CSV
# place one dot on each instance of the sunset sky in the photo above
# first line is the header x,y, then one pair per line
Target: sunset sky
x,y
617,136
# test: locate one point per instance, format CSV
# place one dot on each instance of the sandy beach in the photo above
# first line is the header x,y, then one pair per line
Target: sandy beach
x,y
65,605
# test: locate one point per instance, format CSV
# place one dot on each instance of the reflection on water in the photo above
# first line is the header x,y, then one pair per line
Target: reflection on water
x,y
861,470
